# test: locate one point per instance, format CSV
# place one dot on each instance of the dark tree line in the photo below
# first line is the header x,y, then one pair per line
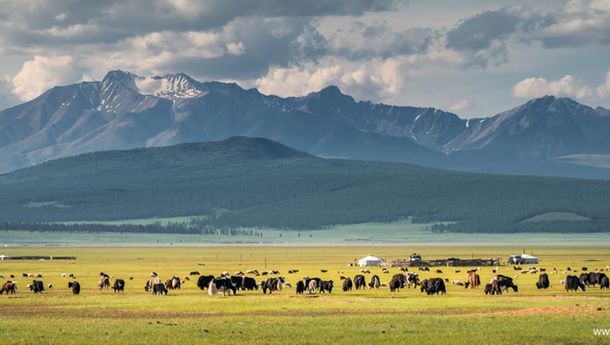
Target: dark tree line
x,y
171,228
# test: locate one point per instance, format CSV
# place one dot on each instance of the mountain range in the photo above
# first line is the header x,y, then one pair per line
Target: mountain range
x,y
545,136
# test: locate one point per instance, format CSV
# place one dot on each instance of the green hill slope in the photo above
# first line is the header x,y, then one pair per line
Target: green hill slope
x,y
256,182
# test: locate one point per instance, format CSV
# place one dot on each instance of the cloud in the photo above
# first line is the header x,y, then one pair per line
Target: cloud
x,y
6,86
235,48
242,49
42,73
567,86
120,19
360,40
578,23
460,105
375,79
485,36
603,90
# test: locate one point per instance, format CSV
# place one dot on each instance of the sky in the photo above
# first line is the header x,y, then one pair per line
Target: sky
x,y
472,57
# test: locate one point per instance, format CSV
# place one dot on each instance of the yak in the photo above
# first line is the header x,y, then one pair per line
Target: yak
x,y
326,286
347,284
504,282
543,281
224,285
359,282
37,286
573,283
272,285
300,287
119,285
396,284
474,280
159,289
433,286
401,278
375,282
203,282
9,287
75,286
249,283
592,278
312,286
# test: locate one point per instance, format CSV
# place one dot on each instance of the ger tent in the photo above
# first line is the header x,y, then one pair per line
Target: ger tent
x,y
369,261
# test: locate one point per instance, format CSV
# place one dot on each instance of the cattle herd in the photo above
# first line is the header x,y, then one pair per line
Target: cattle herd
x,y
227,284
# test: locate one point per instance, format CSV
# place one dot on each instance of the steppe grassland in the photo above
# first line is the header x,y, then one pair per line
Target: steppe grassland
x,y
367,316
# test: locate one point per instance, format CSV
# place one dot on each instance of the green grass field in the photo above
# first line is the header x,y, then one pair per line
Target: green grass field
x,y
401,232
190,316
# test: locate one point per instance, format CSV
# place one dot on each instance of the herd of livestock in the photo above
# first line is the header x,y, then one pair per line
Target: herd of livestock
x,y
229,284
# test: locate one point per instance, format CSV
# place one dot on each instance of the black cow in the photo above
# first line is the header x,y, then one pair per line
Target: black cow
x,y
359,282
592,278
543,281
173,283
159,289
326,286
272,285
347,284
204,281
401,278
75,286
37,286
194,273
584,278
412,279
504,282
307,280
396,284
489,289
605,282
225,285
238,281
119,285
573,283
375,282
300,287
148,285
433,286
249,283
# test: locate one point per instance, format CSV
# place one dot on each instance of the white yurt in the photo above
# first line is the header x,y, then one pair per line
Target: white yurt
x,y
369,261
523,259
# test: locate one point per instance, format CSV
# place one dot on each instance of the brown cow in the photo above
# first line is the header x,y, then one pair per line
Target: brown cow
x,y
9,287
104,282
474,280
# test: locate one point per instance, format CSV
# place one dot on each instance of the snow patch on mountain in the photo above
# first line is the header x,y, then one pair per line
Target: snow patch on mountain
x,y
172,86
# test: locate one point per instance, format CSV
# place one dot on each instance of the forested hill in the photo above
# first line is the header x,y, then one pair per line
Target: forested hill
x,y
258,182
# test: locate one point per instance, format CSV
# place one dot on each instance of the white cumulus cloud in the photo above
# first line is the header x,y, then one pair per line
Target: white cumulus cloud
x,y
43,72
567,86
460,105
603,90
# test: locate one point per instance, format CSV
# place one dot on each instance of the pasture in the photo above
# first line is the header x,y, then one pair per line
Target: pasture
x,y
393,233
190,316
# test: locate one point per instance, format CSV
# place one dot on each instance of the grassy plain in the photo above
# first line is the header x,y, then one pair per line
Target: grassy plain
x,y
190,316
393,233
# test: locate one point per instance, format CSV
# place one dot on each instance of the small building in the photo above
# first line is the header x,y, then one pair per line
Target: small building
x,y
370,261
416,258
523,259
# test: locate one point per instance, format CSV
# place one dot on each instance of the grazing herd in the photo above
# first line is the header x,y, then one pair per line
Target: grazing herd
x,y
230,284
